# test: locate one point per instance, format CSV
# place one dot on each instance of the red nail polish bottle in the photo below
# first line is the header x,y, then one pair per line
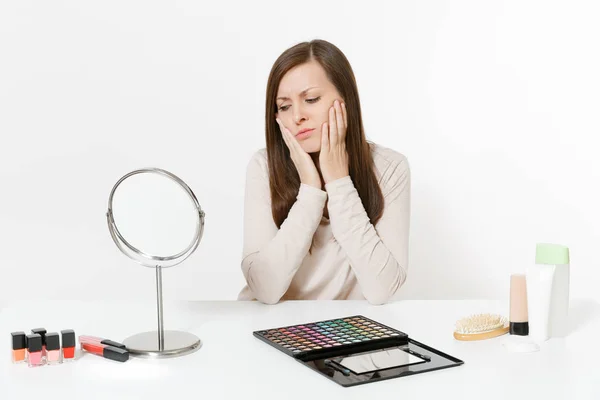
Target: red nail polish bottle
x,y
68,344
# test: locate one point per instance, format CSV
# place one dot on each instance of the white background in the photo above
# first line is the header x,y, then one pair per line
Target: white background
x,y
496,105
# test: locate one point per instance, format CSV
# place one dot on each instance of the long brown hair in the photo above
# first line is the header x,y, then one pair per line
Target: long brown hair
x,y
283,176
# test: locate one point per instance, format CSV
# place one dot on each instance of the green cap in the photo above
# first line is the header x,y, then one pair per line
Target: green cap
x,y
548,253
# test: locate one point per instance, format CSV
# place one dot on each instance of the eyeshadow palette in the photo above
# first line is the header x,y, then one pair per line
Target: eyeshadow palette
x,y
355,350
331,336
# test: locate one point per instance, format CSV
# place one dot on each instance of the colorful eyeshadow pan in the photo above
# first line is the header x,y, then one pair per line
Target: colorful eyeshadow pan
x,y
318,337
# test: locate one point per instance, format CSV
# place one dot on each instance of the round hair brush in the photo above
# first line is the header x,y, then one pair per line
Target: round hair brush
x,y
480,327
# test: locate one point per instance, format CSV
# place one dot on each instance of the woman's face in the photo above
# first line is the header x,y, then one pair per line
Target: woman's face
x,y
304,97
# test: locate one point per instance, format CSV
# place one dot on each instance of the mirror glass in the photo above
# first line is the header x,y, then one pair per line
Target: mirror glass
x,y
377,360
154,214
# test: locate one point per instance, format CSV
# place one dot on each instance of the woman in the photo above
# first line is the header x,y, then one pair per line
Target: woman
x,y
326,213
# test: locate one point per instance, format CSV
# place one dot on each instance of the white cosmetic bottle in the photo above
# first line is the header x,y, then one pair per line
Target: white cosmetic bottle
x,y
548,292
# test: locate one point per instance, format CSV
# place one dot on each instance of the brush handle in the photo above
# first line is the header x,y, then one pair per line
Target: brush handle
x,y
482,335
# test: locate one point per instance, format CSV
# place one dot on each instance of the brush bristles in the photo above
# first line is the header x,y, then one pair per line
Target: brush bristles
x,y
480,323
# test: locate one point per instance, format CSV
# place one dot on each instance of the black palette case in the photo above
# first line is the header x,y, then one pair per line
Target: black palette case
x,y
356,350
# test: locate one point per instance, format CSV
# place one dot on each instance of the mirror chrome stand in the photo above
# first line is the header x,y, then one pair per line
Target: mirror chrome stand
x,y
159,343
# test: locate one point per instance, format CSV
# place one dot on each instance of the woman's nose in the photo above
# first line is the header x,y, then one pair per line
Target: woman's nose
x,y
298,115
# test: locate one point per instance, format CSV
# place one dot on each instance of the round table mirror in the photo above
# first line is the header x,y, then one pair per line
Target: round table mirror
x,y
155,219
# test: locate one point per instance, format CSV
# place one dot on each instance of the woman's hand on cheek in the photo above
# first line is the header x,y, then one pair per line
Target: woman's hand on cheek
x,y
304,164
333,158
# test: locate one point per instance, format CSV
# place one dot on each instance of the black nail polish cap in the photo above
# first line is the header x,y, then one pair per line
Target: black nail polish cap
x,y
42,333
19,340
68,338
52,341
34,343
116,354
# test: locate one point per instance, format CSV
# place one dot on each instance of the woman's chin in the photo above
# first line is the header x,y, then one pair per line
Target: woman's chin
x,y
311,145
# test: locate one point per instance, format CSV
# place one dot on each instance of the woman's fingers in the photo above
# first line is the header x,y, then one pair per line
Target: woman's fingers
x,y
291,142
341,126
324,138
333,131
282,129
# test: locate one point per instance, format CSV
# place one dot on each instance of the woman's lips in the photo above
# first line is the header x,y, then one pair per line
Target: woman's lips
x,y
304,134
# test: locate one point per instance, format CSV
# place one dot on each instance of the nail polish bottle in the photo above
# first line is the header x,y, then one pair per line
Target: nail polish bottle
x,y
19,345
68,344
53,348
34,349
42,333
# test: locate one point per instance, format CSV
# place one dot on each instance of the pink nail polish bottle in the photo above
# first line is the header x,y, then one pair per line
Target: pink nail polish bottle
x,y
53,349
34,350
42,333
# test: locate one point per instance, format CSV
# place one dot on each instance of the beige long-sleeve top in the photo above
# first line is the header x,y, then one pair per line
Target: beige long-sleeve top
x,y
349,259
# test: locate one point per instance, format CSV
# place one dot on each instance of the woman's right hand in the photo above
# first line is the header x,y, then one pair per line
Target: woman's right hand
x,y
301,159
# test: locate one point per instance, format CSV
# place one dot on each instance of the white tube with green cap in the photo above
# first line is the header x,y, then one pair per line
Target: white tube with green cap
x,y
548,292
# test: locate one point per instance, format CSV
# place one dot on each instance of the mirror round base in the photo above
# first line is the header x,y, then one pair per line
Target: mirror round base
x,y
176,344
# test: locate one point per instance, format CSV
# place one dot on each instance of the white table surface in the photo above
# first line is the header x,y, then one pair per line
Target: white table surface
x,y
232,363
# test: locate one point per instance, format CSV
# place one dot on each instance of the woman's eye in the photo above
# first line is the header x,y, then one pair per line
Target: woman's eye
x,y
311,101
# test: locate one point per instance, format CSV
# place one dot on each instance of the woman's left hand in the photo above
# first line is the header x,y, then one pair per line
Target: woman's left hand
x,y
333,159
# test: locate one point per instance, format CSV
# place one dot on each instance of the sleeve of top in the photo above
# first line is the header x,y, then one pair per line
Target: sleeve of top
x,y
377,255
271,256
